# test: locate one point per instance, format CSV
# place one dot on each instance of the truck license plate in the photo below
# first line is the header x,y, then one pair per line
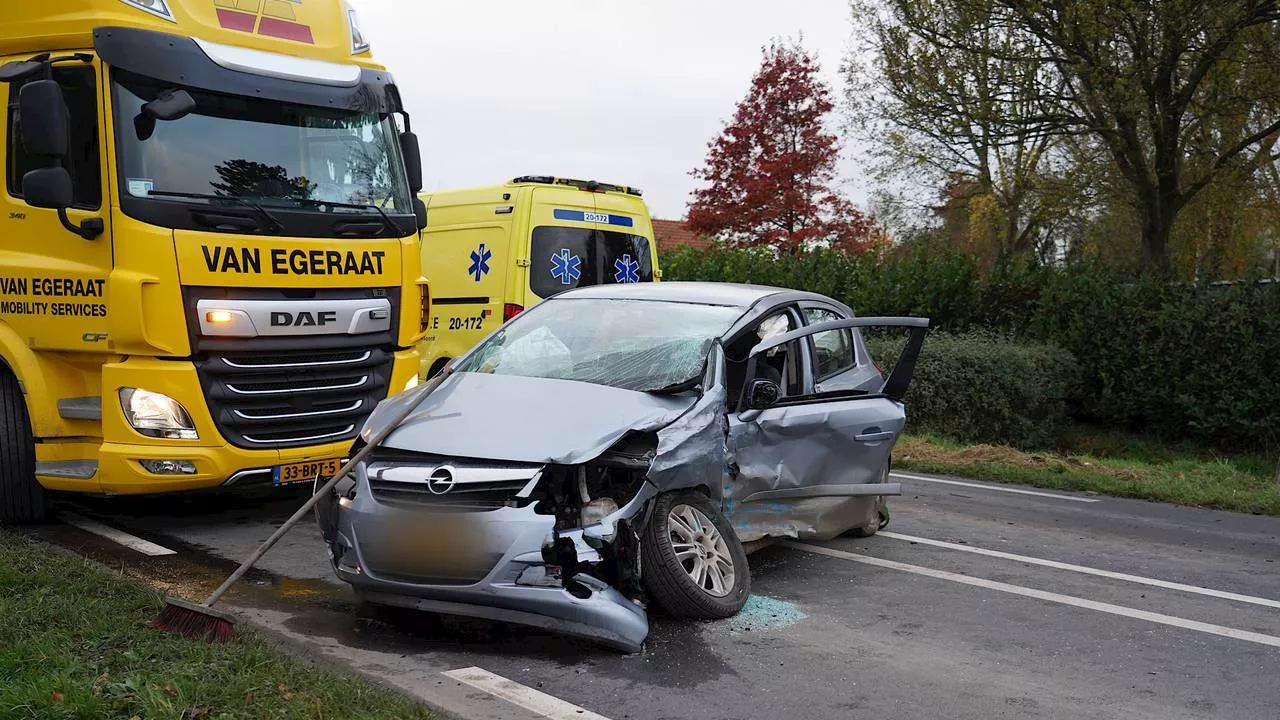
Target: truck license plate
x,y
305,471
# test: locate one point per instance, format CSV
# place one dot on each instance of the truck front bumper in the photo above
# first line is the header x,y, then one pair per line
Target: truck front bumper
x,y
114,464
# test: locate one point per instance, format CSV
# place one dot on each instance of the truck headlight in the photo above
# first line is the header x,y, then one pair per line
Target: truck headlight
x,y
156,415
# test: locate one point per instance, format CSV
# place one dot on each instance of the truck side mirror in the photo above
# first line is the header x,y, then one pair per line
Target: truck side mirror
x,y
412,160
48,188
420,210
46,126
168,105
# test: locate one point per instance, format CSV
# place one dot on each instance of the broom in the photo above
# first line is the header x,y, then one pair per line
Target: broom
x,y
202,621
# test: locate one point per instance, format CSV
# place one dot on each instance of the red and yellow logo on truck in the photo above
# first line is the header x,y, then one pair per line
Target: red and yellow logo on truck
x,y
273,18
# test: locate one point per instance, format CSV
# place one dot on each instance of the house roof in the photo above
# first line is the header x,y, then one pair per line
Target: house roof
x,y
672,234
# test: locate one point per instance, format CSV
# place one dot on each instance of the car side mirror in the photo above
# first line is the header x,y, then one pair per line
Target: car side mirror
x,y
168,105
763,394
420,211
412,160
48,188
45,122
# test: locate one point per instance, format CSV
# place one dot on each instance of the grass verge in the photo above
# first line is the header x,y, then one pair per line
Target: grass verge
x,y
1111,465
75,643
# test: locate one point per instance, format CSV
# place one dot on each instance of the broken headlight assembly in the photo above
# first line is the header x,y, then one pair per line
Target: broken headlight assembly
x,y
584,495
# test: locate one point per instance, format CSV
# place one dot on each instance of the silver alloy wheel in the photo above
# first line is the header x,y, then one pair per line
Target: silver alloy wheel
x,y
701,550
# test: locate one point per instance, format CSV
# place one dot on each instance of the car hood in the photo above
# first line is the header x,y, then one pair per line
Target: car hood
x,y
520,419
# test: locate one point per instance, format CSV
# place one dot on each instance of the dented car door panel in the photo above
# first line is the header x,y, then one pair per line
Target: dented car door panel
x,y
795,468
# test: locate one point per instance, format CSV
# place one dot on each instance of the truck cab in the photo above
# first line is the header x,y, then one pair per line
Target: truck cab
x,y
492,252
209,268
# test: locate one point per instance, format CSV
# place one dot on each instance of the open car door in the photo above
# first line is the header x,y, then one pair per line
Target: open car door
x,y
797,463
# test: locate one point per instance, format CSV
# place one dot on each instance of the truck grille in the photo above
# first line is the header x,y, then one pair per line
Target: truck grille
x,y
295,399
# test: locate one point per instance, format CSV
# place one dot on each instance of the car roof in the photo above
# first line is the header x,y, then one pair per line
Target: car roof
x,y
706,293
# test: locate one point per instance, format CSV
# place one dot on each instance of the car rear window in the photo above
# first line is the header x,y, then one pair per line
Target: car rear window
x,y
564,258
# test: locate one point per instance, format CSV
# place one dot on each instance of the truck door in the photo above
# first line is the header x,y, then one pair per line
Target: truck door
x,y
53,282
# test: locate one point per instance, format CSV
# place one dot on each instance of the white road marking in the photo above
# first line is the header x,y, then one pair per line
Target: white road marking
x,y
997,488
116,536
1085,570
517,694
1158,618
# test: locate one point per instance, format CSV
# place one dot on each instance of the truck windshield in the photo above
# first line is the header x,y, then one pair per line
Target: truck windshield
x,y
270,153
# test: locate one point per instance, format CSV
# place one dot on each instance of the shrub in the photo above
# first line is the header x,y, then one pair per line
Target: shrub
x,y
979,387
1175,360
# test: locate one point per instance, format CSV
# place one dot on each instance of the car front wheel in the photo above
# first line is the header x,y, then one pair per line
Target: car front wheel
x,y
693,563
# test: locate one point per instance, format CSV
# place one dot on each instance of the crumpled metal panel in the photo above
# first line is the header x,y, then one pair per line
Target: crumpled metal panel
x,y
476,415
795,447
691,450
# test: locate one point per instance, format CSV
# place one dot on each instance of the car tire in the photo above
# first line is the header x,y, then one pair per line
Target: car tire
x,y
710,551
22,500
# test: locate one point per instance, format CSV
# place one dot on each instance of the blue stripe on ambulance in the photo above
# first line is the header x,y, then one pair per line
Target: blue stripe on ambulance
x,y
602,218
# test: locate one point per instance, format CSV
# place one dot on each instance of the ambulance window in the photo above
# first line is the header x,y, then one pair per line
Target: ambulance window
x,y
564,258
79,89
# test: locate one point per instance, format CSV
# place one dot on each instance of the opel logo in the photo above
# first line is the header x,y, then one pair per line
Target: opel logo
x,y
441,481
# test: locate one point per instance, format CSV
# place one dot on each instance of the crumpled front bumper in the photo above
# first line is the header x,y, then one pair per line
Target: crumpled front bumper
x,y
517,587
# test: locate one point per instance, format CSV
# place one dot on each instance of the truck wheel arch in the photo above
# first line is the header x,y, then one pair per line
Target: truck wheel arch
x,y
17,359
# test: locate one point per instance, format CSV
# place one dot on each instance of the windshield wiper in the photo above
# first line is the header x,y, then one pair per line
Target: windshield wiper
x,y
272,221
393,228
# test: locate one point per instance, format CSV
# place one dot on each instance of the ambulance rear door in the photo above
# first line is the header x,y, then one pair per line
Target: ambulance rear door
x,y
576,243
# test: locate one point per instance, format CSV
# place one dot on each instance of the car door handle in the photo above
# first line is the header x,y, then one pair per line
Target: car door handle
x,y
873,435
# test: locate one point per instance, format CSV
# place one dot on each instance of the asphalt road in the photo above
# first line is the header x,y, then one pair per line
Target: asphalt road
x,y
978,603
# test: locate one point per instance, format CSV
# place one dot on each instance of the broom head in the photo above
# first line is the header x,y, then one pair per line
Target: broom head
x,y
197,621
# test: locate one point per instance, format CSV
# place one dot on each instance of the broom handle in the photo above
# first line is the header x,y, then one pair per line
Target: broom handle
x,y
315,498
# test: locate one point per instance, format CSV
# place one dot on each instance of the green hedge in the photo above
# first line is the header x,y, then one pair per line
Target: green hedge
x,y
979,387
1176,360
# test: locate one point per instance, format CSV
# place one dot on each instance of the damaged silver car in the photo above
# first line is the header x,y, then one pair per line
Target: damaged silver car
x,y
620,444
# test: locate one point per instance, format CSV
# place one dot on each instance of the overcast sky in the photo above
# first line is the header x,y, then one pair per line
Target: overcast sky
x,y
623,92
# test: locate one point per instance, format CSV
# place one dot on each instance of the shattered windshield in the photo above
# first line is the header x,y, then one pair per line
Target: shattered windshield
x,y
638,345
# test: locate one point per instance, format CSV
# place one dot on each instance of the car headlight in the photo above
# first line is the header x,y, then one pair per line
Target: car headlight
x,y
156,415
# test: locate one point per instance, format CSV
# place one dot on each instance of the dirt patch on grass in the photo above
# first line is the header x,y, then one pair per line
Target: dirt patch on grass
x,y
921,450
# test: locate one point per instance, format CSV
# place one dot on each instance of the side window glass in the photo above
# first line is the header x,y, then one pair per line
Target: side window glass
x,y
833,350
79,89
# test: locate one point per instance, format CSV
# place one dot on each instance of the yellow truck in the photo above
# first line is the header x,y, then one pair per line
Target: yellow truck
x,y
492,252
209,262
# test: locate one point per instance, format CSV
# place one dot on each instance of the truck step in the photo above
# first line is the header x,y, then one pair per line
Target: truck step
x,y
71,469
81,408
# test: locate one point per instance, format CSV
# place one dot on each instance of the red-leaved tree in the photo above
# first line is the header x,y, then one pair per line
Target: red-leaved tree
x,y
770,173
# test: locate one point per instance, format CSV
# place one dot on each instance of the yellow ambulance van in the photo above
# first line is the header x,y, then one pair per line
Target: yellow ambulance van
x,y
492,252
